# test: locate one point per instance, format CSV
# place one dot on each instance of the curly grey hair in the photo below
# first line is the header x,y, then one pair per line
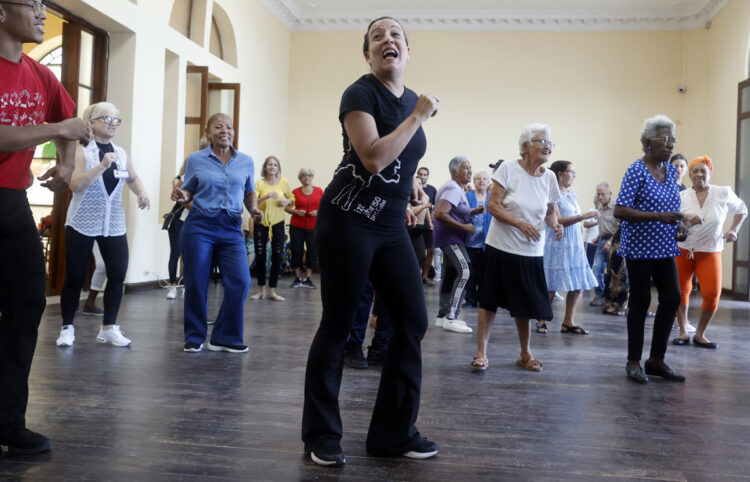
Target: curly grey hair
x,y
529,132
652,125
455,163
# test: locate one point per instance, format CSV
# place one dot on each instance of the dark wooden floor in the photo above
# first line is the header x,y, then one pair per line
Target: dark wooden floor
x,y
152,412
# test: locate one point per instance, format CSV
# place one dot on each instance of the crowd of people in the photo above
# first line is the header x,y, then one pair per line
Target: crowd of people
x,y
377,231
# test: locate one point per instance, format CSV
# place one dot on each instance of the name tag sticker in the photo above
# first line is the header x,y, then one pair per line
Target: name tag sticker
x,y
121,173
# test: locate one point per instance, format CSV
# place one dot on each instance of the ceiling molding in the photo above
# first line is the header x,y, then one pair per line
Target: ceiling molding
x,y
290,15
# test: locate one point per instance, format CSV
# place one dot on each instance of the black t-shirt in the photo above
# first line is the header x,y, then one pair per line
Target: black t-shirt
x,y
354,193
110,181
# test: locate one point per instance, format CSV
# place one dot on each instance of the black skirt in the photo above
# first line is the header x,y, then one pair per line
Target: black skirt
x,y
516,283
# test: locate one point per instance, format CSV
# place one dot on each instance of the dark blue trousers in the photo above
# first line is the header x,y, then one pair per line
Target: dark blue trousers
x,y
384,328
220,238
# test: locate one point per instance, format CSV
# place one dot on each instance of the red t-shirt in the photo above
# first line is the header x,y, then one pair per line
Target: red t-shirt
x,y
30,94
307,204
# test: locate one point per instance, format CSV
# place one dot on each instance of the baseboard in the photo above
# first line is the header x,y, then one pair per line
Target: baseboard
x,y
144,286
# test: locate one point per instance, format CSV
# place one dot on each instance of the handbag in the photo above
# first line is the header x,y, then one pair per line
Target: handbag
x,y
171,215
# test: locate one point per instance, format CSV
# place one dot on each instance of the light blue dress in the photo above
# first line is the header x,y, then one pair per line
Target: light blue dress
x,y
565,265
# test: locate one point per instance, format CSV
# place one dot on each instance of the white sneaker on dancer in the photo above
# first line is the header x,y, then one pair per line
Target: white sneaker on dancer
x,y
67,336
172,293
113,336
457,326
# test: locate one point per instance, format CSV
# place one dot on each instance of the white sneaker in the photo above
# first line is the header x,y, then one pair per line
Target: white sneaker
x,y
457,326
172,293
67,336
439,321
113,336
690,328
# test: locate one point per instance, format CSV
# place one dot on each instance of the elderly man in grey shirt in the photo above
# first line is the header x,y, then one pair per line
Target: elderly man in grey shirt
x,y
607,226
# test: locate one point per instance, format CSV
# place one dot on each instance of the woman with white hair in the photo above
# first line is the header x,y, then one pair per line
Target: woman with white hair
x,y
522,201
95,214
304,212
452,227
649,206
475,241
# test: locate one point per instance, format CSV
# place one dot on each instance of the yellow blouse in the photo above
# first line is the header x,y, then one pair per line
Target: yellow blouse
x,y
272,212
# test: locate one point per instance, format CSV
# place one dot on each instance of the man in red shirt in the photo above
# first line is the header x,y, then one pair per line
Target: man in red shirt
x,y
34,108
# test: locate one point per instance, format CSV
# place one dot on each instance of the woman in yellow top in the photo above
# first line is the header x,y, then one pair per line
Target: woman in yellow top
x,y
274,195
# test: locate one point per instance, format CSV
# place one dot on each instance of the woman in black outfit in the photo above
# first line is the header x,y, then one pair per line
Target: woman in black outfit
x,y
360,230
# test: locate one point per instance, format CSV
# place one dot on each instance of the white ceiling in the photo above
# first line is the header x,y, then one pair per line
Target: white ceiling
x,y
498,14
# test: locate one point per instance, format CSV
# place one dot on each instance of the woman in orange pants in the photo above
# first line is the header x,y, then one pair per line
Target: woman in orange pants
x,y
705,208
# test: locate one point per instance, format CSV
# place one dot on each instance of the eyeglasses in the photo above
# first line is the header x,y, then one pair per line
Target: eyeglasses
x,y
544,142
39,8
113,121
666,139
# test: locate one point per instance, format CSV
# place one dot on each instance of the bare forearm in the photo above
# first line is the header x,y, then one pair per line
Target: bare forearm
x,y
633,215
136,186
13,139
570,220
383,151
450,222
251,202
737,221
82,180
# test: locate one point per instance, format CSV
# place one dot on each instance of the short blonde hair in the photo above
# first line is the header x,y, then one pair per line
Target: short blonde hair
x,y
95,110
305,170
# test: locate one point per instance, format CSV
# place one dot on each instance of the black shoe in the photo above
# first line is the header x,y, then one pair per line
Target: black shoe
x,y
296,283
666,372
421,449
354,358
375,357
332,456
680,341
192,347
24,442
711,345
308,283
636,374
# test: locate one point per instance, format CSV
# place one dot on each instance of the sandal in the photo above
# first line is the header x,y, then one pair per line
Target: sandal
x,y
479,363
541,327
257,296
275,297
532,364
576,330
614,311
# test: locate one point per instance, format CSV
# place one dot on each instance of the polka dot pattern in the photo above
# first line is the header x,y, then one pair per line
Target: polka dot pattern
x,y
639,190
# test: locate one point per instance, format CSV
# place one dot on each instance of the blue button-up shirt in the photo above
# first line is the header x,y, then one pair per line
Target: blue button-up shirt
x,y
217,187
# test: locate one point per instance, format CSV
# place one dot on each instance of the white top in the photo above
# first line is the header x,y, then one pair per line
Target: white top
x,y
720,201
589,234
93,212
526,197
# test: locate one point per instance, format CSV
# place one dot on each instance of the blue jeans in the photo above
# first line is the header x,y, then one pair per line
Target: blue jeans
x,y
600,266
220,238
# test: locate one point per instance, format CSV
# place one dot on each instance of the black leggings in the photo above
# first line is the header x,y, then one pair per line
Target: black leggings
x,y
417,241
174,248
664,273
22,301
348,253
260,238
298,239
78,248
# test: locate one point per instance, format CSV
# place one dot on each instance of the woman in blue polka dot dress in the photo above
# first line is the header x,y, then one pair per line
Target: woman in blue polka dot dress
x,y
648,205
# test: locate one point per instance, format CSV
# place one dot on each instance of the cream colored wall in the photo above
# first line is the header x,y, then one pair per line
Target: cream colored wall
x,y
718,61
594,89
140,37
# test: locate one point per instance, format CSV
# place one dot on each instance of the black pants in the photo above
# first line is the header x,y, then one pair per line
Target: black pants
x,y
174,248
78,248
22,302
416,234
260,237
348,254
299,239
640,273
384,328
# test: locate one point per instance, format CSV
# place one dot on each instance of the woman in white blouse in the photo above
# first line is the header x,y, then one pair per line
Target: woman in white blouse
x,y
705,208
